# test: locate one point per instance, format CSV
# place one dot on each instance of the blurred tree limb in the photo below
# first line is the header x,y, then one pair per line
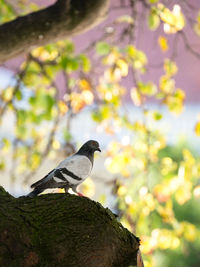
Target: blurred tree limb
x,y
62,229
63,19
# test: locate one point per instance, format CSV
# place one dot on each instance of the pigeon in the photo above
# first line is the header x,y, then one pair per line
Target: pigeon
x,y
71,172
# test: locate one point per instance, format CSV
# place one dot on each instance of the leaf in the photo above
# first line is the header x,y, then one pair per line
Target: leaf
x,y
173,20
88,97
196,191
7,94
163,43
136,97
167,85
123,66
197,24
62,107
125,18
136,57
69,64
84,84
157,115
131,51
67,135
6,145
190,232
2,165
69,47
170,67
197,128
18,95
184,193
175,101
85,63
148,88
153,20
103,48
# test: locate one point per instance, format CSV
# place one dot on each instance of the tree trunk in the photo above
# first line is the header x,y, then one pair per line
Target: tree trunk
x,y
62,230
62,20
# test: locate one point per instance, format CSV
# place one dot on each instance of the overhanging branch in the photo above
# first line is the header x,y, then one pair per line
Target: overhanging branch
x,y
63,19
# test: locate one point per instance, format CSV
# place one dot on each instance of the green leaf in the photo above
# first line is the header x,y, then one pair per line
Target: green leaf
x,y
69,48
69,64
153,20
103,48
18,95
153,1
148,89
21,116
157,115
85,63
96,116
67,135
2,165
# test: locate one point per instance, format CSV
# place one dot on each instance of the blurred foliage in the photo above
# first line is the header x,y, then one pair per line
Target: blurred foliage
x,y
157,187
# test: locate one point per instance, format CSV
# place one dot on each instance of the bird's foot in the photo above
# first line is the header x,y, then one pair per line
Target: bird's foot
x,y
80,195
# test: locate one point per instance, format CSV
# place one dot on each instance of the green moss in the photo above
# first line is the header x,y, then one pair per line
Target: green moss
x,y
67,230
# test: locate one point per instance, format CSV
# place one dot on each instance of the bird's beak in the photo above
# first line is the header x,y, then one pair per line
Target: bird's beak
x,y
98,149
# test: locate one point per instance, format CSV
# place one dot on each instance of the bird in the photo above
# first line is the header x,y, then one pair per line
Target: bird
x,y
71,172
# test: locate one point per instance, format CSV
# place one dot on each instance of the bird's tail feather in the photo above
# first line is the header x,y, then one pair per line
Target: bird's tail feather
x,y
35,192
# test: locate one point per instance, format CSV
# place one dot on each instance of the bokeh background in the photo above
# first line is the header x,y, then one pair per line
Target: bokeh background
x,y
132,83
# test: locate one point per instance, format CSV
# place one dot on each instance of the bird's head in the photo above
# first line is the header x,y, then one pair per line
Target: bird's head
x,y
90,146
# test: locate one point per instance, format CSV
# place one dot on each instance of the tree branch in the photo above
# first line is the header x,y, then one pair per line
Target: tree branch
x,y
63,19
62,230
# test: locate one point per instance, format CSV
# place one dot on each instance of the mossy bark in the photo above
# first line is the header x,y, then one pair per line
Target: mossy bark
x,y
62,230
61,20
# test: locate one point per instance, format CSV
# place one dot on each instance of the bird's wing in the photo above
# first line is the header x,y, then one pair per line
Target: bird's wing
x,y
44,179
79,165
72,170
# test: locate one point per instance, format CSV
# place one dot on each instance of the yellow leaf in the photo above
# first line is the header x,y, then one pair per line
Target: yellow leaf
x,y
123,66
7,94
170,67
136,97
126,19
77,102
196,191
173,20
121,190
166,85
162,193
163,43
197,128
56,144
189,231
62,107
183,194
88,97
44,54
84,84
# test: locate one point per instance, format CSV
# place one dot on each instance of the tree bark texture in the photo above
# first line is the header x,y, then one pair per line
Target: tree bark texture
x,y
62,230
61,20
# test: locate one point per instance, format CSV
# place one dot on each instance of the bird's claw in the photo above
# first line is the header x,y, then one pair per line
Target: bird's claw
x,y
80,195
